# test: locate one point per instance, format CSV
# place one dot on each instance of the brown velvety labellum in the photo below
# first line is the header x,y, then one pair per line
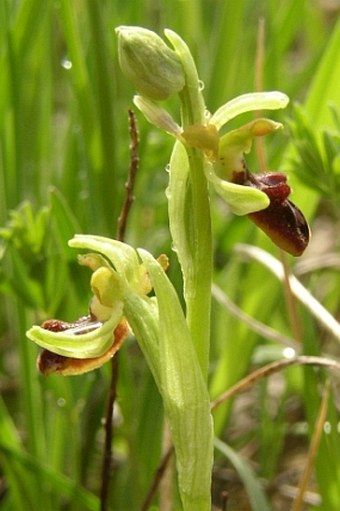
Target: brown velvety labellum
x,y
274,184
49,362
282,221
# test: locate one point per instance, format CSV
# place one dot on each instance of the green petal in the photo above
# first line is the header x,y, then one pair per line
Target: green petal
x,y
242,200
235,143
122,257
106,284
68,344
247,103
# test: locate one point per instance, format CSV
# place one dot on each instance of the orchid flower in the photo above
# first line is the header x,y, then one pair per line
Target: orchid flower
x,y
90,341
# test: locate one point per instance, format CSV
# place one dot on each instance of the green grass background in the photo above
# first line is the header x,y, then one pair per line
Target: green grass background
x,y
64,157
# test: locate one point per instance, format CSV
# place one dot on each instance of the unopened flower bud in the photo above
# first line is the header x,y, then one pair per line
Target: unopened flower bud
x,y
152,67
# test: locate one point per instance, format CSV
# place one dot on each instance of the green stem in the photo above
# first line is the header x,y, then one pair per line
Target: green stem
x,y
199,276
195,253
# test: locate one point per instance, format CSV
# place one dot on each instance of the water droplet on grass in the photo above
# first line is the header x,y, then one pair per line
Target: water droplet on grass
x,y
66,64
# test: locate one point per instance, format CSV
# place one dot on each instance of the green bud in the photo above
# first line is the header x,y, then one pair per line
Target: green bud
x,y
152,67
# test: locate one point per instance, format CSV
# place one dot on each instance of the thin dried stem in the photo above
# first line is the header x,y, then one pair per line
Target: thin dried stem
x,y
260,47
157,479
107,454
166,482
261,156
291,301
314,446
121,229
322,315
256,326
224,499
268,370
129,185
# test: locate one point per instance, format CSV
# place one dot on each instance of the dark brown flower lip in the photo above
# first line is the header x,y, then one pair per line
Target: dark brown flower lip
x,y
282,221
273,184
285,225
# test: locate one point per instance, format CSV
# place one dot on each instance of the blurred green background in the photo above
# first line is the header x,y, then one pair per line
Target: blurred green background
x,y
64,158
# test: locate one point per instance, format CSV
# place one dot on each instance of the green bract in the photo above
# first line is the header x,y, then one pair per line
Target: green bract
x,y
156,115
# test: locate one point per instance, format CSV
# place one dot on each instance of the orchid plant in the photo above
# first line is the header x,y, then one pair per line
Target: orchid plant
x,y
175,344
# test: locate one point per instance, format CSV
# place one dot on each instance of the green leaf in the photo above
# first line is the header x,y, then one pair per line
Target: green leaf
x,y
317,151
65,224
19,482
26,229
22,282
185,395
61,484
252,484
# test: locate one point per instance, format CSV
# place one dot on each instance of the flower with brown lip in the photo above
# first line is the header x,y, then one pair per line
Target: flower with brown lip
x,y
53,363
282,221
